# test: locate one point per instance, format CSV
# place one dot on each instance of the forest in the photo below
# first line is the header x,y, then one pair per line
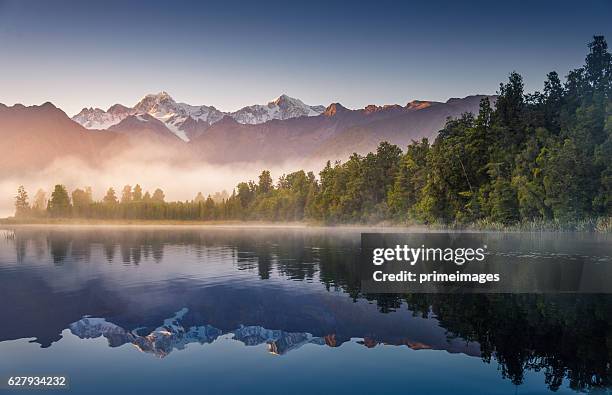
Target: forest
x,y
542,157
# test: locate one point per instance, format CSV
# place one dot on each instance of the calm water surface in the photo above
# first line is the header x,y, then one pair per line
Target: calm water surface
x,y
279,311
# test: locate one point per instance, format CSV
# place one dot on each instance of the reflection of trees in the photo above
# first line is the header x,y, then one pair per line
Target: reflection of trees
x,y
20,249
125,253
157,251
295,258
80,250
59,245
136,254
264,261
565,336
109,251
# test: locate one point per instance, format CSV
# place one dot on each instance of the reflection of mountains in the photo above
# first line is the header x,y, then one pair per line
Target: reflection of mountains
x,y
161,341
173,335
51,277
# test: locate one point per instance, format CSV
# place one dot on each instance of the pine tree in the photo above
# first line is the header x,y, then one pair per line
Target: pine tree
x,y
59,204
137,194
265,182
40,202
199,198
22,207
81,200
126,194
598,68
158,196
110,197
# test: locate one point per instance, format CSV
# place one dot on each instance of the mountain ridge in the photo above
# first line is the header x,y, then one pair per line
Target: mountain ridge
x,y
186,120
35,136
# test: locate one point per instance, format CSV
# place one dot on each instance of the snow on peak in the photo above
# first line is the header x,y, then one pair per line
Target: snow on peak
x,y
96,118
284,99
178,117
160,102
284,107
175,334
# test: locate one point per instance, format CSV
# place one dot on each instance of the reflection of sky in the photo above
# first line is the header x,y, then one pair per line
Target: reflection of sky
x,y
92,272
228,366
51,278
230,54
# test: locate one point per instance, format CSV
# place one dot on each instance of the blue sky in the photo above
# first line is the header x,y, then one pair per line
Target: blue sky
x,y
231,54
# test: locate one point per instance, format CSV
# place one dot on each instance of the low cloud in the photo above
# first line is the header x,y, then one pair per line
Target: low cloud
x,y
150,167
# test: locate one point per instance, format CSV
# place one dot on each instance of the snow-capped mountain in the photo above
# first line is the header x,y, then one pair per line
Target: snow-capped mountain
x,y
174,335
187,121
279,341
96,118
284,107
174,115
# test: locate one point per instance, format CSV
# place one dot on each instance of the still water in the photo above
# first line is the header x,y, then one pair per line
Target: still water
x,y
280,311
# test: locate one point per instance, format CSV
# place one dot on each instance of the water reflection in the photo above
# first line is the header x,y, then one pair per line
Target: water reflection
x,y
161,289
173,335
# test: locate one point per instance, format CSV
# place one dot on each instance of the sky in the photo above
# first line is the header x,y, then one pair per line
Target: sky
x,y
231,54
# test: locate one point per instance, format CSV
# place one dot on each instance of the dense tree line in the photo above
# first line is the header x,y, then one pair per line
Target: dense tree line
x,y
540,156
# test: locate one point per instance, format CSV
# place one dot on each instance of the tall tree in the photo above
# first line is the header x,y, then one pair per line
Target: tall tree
x,y
22,206
81,200
110,197
265,182
126,194
199,198
158,196
59,204
410,180
598,68
137,194
40,201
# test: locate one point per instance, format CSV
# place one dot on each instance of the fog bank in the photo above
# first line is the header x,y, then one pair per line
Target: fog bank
x,y
179,181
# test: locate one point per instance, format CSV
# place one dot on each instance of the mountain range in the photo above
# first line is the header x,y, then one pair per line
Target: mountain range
x,y
187,121
175,334
283,130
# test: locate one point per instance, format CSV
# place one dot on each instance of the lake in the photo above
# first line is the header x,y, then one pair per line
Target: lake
x,y
253,310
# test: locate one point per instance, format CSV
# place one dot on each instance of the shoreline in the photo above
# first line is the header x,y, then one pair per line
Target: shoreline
x,y
138,222
584,226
